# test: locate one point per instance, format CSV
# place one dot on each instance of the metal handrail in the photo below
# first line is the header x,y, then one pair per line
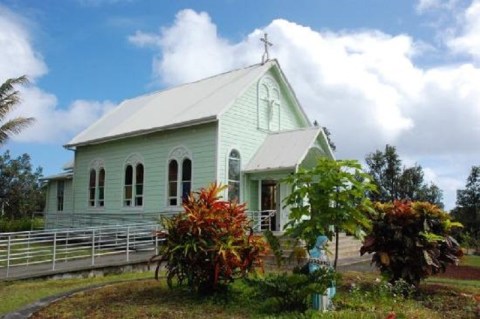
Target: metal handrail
x,y
43,251
50,248
261,219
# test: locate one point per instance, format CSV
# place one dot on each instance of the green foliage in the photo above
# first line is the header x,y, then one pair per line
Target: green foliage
x,y
291,292
21,193
9,99
22,224
411,241
395,182
467,210
275,246
332,193
210,243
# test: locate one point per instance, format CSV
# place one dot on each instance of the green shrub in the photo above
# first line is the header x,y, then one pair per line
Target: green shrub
x,y
411,241
209,244
291,292
20,224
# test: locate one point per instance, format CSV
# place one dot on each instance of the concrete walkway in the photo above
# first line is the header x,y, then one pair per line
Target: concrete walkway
x,y
75,265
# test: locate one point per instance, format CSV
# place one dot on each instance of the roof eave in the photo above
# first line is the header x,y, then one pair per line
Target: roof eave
x,y
195,122
272,169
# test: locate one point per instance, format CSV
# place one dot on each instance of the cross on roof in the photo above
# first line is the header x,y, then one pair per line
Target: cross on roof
x,y
266,56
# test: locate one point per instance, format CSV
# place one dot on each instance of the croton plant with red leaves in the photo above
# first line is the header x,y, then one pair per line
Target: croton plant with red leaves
x,y
411,240
209,244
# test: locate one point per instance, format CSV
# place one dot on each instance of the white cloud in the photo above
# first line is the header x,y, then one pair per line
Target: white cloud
x,y
363,85
467,39
427,5
18,57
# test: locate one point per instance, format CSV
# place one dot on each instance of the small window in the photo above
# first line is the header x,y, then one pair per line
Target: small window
x,y
186,178
60,195
234,176
101,188
139,185
92,188
172,182
128,186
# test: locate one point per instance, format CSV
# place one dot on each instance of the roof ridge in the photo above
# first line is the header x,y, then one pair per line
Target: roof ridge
x,y
295,130
192,82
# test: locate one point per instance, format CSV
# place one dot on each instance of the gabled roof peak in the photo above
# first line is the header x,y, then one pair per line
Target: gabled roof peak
x,y
184,105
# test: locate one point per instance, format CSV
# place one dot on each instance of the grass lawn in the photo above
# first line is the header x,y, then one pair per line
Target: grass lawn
x,y
471,260
359,295
16,294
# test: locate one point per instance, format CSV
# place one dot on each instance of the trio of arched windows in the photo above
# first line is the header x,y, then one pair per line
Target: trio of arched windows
x,y
179,182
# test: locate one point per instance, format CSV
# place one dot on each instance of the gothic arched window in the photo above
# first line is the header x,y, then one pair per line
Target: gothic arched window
x,y
234,176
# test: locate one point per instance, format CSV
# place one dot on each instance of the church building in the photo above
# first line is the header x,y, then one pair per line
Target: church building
x,y
244,128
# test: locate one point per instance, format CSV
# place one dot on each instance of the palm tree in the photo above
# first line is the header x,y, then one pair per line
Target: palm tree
x,y
9,98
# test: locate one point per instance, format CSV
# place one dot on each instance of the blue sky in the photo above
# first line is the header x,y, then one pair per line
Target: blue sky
x,y
374,72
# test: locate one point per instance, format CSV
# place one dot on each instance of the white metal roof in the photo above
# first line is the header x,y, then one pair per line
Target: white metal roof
x,y
64,175
283,150
192,103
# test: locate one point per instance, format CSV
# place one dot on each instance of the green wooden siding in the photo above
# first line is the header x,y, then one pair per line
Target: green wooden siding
x,y
154,149
243,128
51,202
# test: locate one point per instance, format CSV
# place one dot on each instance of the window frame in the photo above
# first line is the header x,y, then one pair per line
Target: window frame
x,y
134,161
60,196
179,154
96,203
228,180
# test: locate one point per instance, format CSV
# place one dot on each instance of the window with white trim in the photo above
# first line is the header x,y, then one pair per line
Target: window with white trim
x,y
96,184
234,176
60,195
92,188
179,183
133,190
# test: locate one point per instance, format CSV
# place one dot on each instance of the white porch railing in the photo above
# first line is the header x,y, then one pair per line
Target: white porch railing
x,y
28,253
23,253
261,220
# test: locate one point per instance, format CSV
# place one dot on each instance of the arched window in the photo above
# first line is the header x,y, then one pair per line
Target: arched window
x,y
268,95
180,176
92,188
101,187
96,184
234,176
172,182
186,178
128,186
139,185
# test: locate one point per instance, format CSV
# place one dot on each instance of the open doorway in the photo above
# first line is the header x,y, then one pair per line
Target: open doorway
x,y
270,201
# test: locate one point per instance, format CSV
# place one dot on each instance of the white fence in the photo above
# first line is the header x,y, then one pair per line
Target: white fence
x,y
23,254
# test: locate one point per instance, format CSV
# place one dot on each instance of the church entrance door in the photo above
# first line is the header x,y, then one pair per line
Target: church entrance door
x,y
270,195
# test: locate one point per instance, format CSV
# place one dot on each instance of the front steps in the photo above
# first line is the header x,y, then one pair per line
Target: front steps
x,y
294,253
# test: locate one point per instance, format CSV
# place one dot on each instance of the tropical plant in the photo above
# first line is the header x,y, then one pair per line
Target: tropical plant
x,y
467,210
292,292
333,193
209,244
21,192
411,241
9,98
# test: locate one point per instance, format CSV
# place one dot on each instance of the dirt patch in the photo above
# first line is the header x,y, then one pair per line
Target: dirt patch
x,y
461,272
